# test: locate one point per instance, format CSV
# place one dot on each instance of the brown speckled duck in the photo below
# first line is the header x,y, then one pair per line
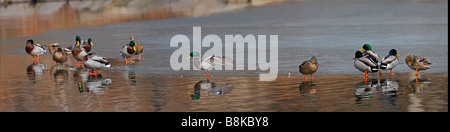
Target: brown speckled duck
x,y
59,56
417,63
309,67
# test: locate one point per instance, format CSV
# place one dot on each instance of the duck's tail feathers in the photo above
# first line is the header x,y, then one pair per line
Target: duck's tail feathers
x,y
374,69
108,65
383,66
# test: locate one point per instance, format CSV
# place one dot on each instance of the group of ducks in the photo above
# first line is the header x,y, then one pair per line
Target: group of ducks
x,y
367,61
80,52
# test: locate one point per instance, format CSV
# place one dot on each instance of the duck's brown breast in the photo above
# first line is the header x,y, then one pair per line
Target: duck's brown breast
x,y
29,48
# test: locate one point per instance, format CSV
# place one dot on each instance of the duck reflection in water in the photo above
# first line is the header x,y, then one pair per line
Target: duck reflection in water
x,y
34,70
129,73
417,84
365,90
211,89
389,87
308,88
61,75
94,84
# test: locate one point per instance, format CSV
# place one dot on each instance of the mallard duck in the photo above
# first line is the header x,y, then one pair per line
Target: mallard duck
x,y
417,63
53,47
390,61
364,64
139,48
34,49
309,67
60,56
128,51
87,45
77,52
209,62
369,52
95,63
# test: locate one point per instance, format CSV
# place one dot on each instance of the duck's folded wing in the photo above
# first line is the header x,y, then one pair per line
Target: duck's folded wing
x,y
389,59
99,59
368,62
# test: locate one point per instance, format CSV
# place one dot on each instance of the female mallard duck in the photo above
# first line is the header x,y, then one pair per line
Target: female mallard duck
x,y
53,47
128,51
139,48
417,63
369,52
390,61
34,49
60,56
364,64
87,45
77,52
209,62
309,67
95,63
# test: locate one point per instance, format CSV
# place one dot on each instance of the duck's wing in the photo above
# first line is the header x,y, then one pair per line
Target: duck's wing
x,y
372,54
389,59
367,62
67,51
303,63
423,60
99,59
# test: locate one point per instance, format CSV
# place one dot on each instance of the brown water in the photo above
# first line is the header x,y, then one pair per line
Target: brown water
x,y
330,30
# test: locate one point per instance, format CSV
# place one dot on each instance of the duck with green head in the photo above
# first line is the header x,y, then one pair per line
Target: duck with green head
x,y
78,52
139,48
367,48
87,45
364,64
390,61
128,51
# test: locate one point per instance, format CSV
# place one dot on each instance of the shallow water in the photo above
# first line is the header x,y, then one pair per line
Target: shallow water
x,y
43,87
330,30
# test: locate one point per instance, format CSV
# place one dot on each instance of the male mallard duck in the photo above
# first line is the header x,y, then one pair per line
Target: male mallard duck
x,y
369,52
128,51
77,52
390,61
417,63
309,67
95,63
34,49
209,62
364,64
139,48
87,45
